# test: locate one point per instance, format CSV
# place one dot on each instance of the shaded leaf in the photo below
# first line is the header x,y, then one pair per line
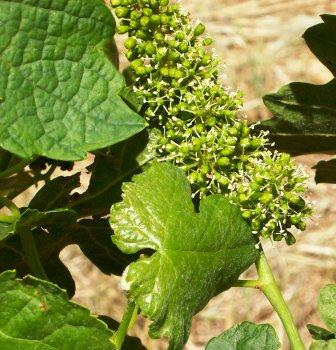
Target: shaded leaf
x,y
319,333
57,77
197,255
321,39
304,118
37,315
55,193
245,336
325,171
32,218
110,169
93,238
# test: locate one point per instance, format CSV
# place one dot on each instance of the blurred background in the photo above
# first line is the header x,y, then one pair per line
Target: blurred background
x,y
260,45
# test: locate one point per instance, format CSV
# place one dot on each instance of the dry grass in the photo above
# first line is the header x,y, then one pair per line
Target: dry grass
x,y
260,42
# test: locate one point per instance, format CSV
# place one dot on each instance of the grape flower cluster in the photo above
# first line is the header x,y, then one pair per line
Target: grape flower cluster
x,y
178,84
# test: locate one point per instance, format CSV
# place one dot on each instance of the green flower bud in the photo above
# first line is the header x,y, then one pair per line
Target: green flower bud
x,y
164,19
134,24
208,41
183,47
147,11
123,29
247,214
130,43
223,181
136,63
121,12
155,20
150,49
141,70
277,237
223,162
164,71
135,15
154,4
199,29
141,34
266,198
289,238
173,56
144,21
163,2
115,3
159,36
227,151
206,59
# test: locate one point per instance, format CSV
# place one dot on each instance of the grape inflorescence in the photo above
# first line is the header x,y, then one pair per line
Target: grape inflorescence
x,y
178,85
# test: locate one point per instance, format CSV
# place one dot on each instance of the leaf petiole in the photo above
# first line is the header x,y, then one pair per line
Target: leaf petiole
x,y
127,322
5,202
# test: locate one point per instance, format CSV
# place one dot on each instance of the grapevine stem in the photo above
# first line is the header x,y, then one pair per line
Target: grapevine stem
x,y
5,202
15,168
126,323
273,294
31,254
269,287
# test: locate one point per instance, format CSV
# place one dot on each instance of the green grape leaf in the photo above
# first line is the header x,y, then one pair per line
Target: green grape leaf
x,y
304,118
325,171
37,315
323,345
327,306
196,255
111,168
246,335
57,77
319,333
321,39
92,237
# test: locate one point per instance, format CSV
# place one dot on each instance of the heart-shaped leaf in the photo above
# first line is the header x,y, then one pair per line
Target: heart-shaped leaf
x,y
197,255
59,90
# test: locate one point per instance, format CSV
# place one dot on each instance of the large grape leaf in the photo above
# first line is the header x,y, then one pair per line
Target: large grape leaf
x,y
59,90
246,335
196,255
37,315
304,118
305,114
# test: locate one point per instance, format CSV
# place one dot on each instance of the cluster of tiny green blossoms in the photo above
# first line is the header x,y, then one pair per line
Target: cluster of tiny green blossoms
x,y
177,81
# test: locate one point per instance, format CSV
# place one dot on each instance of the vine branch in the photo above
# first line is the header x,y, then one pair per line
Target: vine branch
x,y
267,284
